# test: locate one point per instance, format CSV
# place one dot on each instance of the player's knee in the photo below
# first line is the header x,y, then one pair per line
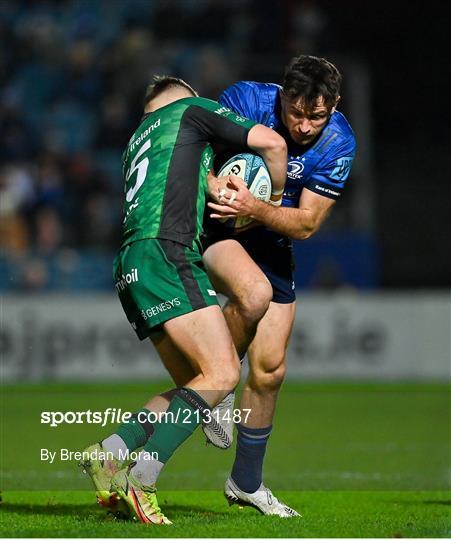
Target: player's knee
x,y
232,378
228,379
226,375
255,304
267,380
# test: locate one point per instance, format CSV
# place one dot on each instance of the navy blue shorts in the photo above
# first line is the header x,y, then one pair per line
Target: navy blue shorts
x,y
272,252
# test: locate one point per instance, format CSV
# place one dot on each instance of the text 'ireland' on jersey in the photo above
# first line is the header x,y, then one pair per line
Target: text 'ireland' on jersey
x,y
165,168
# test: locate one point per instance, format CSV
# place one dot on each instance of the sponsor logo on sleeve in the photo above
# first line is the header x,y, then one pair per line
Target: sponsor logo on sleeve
x,y
222,110
225,111
327,190
342,169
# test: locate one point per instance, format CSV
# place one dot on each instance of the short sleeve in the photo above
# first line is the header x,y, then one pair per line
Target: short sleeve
x,y
219,124
329,178
241,98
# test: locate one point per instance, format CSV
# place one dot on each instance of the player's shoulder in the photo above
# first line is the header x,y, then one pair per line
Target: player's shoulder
x,y
179,106
252,99
341,130
253,88
258,86
198,101
336,141
199,106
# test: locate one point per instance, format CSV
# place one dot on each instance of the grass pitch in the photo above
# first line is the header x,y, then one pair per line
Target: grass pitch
x,y
355,460
206,514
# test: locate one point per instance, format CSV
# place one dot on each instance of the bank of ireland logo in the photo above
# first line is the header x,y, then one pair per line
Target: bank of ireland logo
x,y
295,169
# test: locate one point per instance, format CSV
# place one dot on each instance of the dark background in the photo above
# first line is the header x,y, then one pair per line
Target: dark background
x,y
72,76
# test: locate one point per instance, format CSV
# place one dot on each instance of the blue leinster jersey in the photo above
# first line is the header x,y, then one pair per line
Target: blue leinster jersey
x,y
323,166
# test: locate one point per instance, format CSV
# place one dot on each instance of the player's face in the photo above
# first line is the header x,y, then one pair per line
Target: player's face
x,y
304,125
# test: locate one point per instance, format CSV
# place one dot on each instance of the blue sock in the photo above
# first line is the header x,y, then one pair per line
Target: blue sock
x,y
250,452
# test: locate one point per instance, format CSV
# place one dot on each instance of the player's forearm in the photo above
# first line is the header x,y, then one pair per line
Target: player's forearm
x,y
273,149
297,223
276,161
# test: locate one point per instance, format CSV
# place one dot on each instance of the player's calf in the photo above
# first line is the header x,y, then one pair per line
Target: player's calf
x,y
263,380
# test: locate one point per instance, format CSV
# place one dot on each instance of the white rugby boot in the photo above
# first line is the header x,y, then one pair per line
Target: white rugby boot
x,y
262,500
219,431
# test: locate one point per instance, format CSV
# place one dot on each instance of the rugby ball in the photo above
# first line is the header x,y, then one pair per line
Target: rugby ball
x,y
252,169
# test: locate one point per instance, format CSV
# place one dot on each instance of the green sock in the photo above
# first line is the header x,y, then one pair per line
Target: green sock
x,y
135,432
182,420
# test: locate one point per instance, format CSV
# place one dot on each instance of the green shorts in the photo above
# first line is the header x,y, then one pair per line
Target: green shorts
x,y
158,280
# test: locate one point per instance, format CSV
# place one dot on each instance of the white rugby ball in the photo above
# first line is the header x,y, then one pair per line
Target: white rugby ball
x,y
252,169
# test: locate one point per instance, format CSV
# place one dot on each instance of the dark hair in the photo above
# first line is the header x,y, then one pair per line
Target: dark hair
x,y
164,82
309,77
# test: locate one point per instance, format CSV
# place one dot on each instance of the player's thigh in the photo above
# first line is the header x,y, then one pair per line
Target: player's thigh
x,y
232,270
173,359
203,337
268,348
158,280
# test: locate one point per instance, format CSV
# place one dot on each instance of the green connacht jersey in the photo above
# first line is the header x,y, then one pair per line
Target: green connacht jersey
x,y
165,167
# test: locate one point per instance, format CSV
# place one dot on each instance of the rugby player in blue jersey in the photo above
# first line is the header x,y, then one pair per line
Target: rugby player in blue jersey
x,y
261,301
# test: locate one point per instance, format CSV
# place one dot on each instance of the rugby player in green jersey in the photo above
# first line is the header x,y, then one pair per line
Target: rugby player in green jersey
x,y
162,284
